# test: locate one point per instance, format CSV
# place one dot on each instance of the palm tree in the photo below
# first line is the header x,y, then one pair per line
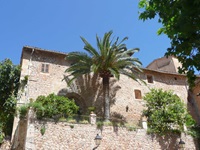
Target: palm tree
x,y
110,59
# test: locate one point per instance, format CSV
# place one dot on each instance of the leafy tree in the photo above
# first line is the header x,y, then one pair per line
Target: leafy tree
x,y
110,59
181,23
166,112
9,83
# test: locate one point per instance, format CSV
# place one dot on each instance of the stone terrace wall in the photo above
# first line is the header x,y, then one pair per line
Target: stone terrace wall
x,y
60,136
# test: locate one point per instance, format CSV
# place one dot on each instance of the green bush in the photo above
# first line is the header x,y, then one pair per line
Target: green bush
x,y
52,106
38,108
166,112
23,110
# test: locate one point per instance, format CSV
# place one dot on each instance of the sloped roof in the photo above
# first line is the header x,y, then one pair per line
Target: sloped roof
x,y
165,64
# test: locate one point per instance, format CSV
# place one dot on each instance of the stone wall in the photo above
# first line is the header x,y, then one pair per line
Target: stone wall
x,y
65,136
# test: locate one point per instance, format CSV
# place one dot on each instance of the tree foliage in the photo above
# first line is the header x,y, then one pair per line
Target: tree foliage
x,y
9,83
110,59
165,112
52,106
181,23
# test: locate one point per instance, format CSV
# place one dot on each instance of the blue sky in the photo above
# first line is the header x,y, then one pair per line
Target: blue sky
x,y
58,25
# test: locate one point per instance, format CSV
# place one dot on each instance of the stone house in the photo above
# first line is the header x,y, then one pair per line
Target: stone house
x,y
45,70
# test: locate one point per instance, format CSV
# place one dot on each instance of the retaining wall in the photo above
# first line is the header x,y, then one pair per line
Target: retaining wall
x,y
66,136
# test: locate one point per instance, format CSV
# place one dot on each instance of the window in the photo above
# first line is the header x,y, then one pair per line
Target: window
x,y
149,78
45,68
138,94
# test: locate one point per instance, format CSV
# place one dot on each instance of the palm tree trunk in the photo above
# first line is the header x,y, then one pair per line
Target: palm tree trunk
x,y
106,98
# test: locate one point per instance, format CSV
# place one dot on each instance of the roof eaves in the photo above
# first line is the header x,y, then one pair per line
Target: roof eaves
x,y
45,50
164,72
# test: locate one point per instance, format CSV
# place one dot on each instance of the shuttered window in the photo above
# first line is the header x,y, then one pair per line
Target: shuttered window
x,y
45,68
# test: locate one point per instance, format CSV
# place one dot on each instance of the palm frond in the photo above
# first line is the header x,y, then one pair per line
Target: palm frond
x,y
106,44
115,72
116,41
124,39
135,77
75,56
99,43
134,50
69,80
81,64
88,47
